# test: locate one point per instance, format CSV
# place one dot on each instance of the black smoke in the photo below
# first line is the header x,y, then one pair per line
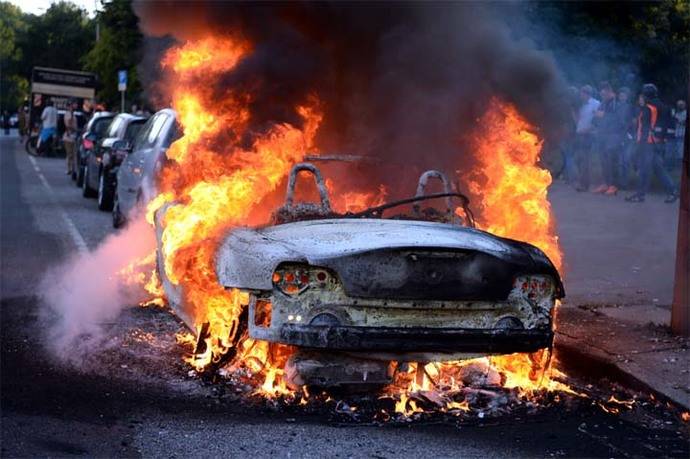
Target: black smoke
x,y
404,82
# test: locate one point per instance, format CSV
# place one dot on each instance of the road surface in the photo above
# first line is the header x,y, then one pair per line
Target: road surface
x,y
135,396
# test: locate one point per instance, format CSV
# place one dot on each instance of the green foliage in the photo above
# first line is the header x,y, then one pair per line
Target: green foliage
x,y
13,87
595,41
58,38
663,32
117,49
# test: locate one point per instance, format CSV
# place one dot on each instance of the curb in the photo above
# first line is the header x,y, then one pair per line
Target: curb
x,y
576,358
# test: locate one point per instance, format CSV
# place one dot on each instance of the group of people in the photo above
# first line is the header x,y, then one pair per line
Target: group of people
x,y
49,130
626,136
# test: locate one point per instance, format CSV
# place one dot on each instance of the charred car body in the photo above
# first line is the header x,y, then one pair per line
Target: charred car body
x,y
360,288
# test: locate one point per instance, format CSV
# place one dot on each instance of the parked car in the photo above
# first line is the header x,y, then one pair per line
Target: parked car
x,y
136,175
98,177
353,292
94,131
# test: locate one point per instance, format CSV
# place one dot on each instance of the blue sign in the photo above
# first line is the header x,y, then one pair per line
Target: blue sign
x,y
122,80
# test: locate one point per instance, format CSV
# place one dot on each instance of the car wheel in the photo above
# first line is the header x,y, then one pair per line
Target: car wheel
x,y
80,175
86,190
105,193
118,219
30,145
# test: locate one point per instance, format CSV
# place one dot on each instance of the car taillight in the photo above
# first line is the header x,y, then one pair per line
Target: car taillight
x,y
88,144
294,279
534,287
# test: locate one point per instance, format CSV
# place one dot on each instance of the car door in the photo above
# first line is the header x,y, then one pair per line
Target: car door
x,y
141,159
156,158
93,161
129,173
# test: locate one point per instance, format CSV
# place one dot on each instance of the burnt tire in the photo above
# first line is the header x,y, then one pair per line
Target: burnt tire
x,y
104,194
118,218
86,190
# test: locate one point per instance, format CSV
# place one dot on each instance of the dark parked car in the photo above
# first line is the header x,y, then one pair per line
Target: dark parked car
x,y
421,285
95,129
99,180
136,174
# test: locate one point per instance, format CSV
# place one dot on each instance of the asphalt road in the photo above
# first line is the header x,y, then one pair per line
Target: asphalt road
x,y
136,398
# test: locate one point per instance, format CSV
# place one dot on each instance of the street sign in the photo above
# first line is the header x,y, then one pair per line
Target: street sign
x,y
122,80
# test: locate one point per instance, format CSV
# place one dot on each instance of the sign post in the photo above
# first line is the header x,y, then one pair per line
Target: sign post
x,y
122,87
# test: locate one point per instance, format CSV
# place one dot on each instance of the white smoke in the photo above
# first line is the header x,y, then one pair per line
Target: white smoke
x,y
87,292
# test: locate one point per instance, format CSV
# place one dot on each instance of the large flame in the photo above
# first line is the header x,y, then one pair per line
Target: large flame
x,y
509,182
214,187
216,180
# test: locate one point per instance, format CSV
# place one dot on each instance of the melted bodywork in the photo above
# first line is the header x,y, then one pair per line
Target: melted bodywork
x,y
387,288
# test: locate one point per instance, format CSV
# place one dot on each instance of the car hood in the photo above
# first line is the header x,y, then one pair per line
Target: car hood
x,y
248,257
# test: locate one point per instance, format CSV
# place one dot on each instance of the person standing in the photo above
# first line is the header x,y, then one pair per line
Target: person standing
x,y
584,134
70,136
6,121
23,120
566,144
651,130
610,128
680,114
629,113
49,118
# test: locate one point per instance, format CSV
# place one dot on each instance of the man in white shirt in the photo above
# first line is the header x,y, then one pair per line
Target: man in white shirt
x,y
70,136
48,123
584,134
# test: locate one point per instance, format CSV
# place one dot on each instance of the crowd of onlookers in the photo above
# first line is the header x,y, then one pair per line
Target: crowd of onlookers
x,y
632,138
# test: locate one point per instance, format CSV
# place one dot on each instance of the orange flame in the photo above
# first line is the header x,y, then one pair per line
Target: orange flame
x,y
214,182
214,190
510,185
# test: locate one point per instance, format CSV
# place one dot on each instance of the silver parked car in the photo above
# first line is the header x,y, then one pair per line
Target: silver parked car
x,y
98,178
136,175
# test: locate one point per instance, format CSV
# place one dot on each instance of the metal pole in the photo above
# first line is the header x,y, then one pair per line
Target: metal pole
x,y
122,101
680,311
98,24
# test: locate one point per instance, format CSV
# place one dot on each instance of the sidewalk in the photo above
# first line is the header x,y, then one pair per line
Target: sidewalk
x,y
618,275
635,340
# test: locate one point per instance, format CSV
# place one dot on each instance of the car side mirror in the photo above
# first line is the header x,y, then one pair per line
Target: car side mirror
x,y
122,145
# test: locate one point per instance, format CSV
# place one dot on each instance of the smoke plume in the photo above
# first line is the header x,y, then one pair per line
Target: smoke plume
x,y
402,82
89,291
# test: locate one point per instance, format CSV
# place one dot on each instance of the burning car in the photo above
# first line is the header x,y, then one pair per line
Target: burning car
x,y
356,291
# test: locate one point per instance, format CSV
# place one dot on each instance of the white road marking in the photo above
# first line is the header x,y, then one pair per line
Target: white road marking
x,y
71,227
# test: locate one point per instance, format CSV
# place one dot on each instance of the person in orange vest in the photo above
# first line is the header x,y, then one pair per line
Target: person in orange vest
x,y
650,138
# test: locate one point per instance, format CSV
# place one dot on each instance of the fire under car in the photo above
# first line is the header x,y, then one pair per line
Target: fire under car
x,y
354,292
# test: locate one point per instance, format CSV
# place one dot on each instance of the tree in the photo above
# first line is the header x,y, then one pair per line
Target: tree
x,y
12,86
627,43
58,38
117,49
